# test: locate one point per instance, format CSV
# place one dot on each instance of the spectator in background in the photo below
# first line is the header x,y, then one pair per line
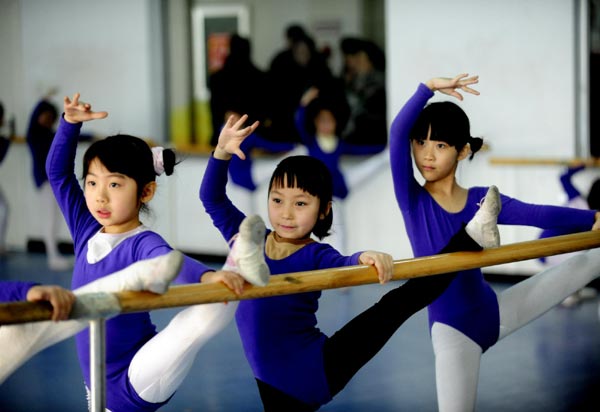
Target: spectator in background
x,y
364,78
4,145
40,135
291,73
239,86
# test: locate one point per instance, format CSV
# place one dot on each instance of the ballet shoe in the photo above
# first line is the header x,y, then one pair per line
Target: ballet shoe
x,y
153,275
483,227
579,296
162,271
248,251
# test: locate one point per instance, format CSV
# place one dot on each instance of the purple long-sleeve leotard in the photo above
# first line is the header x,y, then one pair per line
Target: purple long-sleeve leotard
x,y
279,334
125,334
13,291
469,304
331,159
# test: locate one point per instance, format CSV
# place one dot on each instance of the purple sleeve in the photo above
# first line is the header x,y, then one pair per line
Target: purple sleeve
x,y
60,167
13,291
567,184
405,184
560,219
225,216
271,146
360,149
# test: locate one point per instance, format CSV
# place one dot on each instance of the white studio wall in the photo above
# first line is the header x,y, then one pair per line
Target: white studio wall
x,y
111,52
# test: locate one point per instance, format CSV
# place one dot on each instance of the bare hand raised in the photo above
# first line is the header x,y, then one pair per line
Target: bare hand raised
x,y
448,85
231,137
77,111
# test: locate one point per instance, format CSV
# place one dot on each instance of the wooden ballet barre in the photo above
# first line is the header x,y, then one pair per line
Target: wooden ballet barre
x,y
185,295
516,161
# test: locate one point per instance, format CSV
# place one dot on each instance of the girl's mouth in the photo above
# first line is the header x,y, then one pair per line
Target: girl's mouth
x,y
103,214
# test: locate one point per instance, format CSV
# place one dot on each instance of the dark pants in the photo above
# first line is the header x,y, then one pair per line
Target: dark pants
x,y
357,342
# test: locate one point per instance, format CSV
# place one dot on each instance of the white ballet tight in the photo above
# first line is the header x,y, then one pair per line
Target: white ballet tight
x,y
20,342
159,367
457,357
49,208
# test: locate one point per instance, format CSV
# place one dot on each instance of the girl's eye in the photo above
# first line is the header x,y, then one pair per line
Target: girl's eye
x,y
113,184
441,145
275,200
300,203
90,183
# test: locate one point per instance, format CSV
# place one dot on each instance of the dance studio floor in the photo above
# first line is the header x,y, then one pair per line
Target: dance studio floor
x,y
551,365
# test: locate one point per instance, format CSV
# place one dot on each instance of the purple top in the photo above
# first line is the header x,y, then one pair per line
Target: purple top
x,y
125,334
13,291
469,304
279,334
332,159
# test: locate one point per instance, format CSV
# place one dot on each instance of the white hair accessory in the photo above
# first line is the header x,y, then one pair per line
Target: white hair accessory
x,y
157,155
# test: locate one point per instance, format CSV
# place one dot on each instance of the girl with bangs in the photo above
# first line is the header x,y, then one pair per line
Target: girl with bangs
x,y
469,317
297,367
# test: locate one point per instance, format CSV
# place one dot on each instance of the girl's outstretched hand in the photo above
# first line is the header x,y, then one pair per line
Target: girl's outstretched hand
x,y
231,137
449,86
383,262
77,111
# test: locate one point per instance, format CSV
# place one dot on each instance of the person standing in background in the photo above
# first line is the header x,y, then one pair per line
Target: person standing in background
x,y
578,201
4,145
40,134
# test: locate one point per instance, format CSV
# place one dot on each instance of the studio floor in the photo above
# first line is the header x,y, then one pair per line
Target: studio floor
x,y
551,365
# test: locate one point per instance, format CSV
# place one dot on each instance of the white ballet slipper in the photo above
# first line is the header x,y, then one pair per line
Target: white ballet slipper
x,y
248,251
483,228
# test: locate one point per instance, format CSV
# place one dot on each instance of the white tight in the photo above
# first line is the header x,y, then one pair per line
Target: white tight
x,y
457,357
51,213
159,367
20,342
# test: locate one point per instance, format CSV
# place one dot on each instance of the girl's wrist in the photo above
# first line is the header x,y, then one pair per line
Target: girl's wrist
x,y
69,120
429,84
221,154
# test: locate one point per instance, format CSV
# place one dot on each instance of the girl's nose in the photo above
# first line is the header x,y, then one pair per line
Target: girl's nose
x,y
101,196
428,151
287,212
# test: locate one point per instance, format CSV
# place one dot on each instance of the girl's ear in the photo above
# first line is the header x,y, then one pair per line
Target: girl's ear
x,y
148,192
326,212
464,152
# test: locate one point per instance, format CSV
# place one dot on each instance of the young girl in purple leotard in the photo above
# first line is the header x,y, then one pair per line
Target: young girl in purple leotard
x,y
144,368
297,367
469,317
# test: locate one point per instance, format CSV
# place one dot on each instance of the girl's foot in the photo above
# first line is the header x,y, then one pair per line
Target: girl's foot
x,y
248,251
153,275
483,228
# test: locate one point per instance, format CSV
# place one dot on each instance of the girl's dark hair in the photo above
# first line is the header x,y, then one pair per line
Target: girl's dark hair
x,y
130,156
593,198
449,123
335,108
311,175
